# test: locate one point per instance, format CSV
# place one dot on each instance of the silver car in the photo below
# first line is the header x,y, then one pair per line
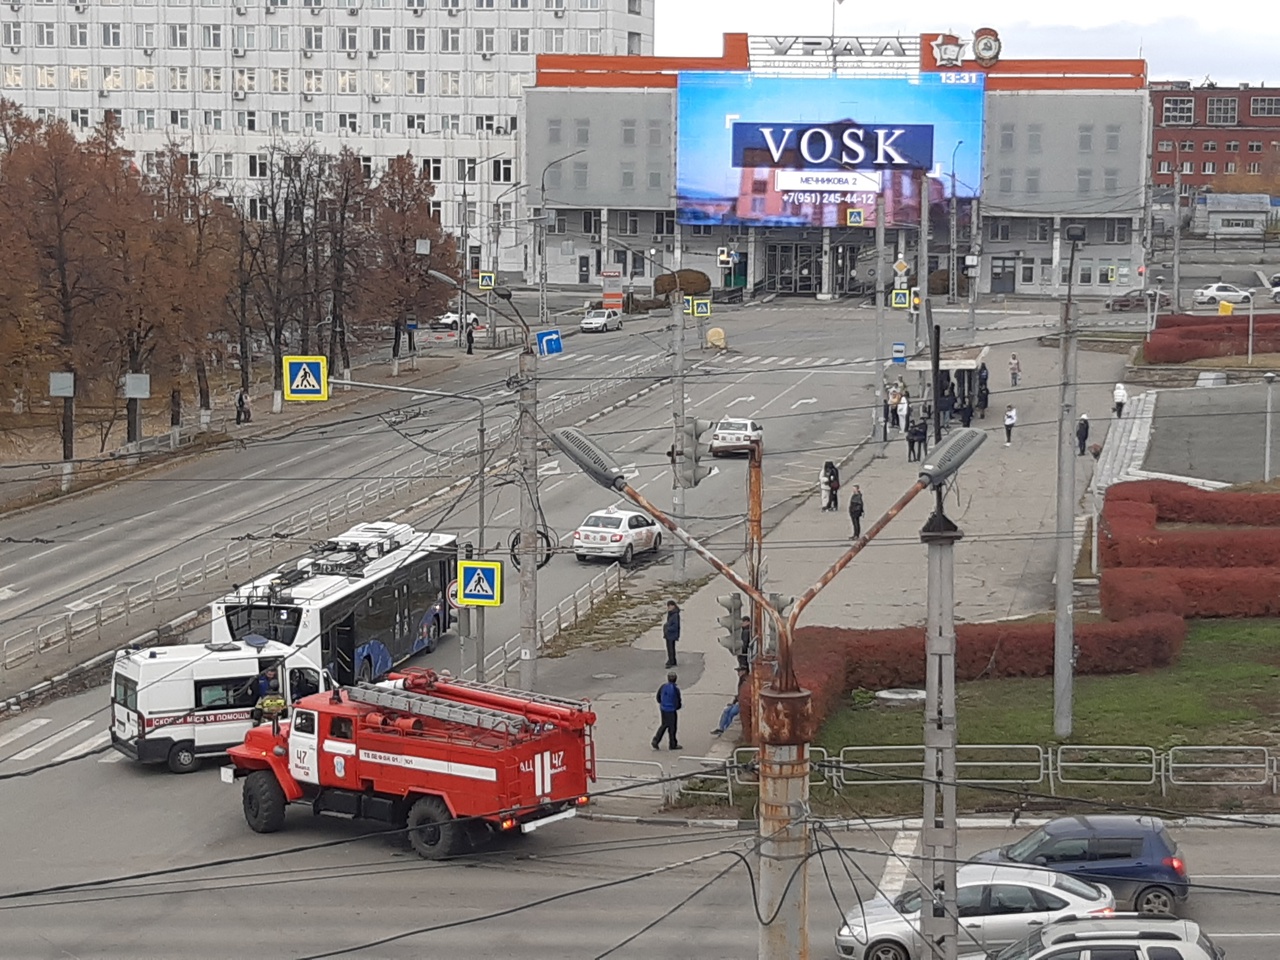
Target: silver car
x,y
997,906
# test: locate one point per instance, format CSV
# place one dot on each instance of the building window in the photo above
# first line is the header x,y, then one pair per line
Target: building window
x,y
628,133
1210,146
348,81
382,123
588,41
1085,138
1264,106
1113,139
553,40
518,40
1028,270
282,122
347,39
313,39
46,78
179,79
999,229
78,78
1110,181
246,79
582,132
628,176
1039,229
1006,180
634,8
246,38
702,230
1033,181
1164,146
519,4
180,119
111,35
144,78
579,176
46,36
211,36
486,40
1006,137
380,39
11,35
312,81
486,122
655,133
503,171
211,80
13,76
1209,167
348,123
1230,167
1164,167
1233,146
1187,166
1178,111
1221,110
483,84
1084,181
1255,146
1086,273
417,85
313,122
1255,167
213,119
1239,224
554,131
664,223
1118,231
1186,146
451,40
279,81
146,119
280,38
1034,135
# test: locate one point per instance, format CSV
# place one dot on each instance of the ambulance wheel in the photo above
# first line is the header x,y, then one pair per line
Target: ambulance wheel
x,y
433,833
264,802
182,758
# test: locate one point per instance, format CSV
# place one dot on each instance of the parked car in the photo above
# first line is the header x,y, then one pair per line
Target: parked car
x,y
1221,293
1118,937
1138,299
1275,294
449,321
617,534
732,435
1134,856
601,321
998,905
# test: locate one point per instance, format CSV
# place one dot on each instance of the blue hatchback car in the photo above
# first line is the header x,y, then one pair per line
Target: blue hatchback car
x,y
1134,856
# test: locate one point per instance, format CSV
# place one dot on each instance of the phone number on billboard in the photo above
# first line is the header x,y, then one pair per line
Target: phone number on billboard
x,y
828,198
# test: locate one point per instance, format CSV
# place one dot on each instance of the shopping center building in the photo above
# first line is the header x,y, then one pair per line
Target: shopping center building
x,y
761,167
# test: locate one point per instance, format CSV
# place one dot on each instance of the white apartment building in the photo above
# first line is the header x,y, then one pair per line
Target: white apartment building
x,y
441,79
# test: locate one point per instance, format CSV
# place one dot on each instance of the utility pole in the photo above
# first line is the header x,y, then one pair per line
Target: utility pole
x,y
922,253
1064,642
938,926
1177,233
881,269
465,275
785,710
953,284
528,552
678,555
975,249
755,542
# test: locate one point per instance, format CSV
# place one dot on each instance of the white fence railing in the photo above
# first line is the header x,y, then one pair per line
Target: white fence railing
x,y
85,624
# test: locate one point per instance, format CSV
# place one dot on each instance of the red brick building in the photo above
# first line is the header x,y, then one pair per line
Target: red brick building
x,y
1217,135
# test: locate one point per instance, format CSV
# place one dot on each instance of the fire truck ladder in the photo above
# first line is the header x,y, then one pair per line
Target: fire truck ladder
x,y
514,694
424,705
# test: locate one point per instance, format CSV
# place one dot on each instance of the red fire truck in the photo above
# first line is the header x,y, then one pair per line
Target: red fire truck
x,y
446,760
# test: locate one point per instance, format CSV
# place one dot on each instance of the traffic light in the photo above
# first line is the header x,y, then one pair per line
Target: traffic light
x,y
732,622
783,605
692,472
914,308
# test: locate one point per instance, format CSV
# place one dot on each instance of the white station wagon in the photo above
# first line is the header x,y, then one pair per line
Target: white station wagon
x,y
616,534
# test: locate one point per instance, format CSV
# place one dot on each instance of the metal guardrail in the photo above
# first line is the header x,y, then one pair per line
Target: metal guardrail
x,y
642,779
85,624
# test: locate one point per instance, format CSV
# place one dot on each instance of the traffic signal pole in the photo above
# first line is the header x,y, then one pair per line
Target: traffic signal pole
x,y
678,556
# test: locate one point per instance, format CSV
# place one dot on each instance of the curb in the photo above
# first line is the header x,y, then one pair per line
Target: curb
x,y
871,824
14,703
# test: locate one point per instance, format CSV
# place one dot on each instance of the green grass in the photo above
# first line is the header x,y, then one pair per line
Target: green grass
x,y
1223,690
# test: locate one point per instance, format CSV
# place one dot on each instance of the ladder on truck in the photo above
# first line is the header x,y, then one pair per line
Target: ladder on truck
x,y
513,694
425,705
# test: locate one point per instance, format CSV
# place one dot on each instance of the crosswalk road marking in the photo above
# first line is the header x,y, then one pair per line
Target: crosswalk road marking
x,y
633,359
767,360
80,749
18,732
750,359
803,361
52,739
786,360
115,756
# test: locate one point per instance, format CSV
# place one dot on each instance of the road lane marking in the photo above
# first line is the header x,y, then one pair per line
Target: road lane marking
x,y
783,393
84,747
256,473
17,733
504,513
206,493
552,486
801,403
897,869
285,463
52,739
10,591
45,553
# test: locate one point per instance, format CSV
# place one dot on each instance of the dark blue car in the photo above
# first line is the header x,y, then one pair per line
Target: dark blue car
x,y
1134,856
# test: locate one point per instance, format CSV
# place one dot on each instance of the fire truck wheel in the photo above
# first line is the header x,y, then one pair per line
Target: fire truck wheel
x,y
183,759
432,831
264,802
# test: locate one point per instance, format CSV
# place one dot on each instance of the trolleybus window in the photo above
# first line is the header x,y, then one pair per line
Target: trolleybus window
x,y
274,623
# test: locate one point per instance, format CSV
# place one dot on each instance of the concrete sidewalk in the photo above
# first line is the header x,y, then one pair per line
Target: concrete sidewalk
x,y
1004,502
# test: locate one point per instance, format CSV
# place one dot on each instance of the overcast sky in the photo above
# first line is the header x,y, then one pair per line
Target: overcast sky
x,y
1181,40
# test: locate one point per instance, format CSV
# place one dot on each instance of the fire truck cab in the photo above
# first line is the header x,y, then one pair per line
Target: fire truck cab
x,y
445,760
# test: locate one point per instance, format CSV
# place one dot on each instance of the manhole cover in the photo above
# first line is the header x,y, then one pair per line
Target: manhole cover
x,y
604,676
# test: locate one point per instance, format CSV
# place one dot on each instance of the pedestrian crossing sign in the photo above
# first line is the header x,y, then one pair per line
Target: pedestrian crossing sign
x,y
488,279
480,583
900,299
853,218
702,307
306,378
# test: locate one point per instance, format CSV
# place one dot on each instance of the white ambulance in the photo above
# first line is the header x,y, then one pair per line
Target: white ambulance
x,y
179,704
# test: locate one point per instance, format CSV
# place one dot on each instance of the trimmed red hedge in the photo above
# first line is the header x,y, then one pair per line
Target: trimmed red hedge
x,y
1202,592
831,661
1181,338
1171,321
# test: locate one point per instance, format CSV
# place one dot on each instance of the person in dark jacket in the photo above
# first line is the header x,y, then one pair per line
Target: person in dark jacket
x,y
965,412
744,638
1082,433
671,632
669,704
471,340
856,509
984,399
831,485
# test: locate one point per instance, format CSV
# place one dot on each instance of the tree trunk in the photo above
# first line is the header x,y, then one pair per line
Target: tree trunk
x,y
242,318
202,386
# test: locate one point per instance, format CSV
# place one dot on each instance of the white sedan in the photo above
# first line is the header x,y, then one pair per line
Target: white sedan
x,y
735,436
601,321
1221,293
449,321
618,534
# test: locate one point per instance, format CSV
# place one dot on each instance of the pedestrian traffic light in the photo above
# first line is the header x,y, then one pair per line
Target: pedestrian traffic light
x,y
692,472
914,308
732,622
783,605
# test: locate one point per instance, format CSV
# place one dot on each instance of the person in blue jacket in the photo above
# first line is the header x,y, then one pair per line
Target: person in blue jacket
x,y
671,632
669,704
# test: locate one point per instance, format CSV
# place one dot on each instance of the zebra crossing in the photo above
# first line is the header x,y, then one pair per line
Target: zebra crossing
x,y
794,363
34,742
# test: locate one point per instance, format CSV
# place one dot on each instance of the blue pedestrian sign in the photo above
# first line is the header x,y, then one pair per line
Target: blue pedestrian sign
x,y
549,343
480,583
899,353
702,307
853,218
900,299
688,305
306,378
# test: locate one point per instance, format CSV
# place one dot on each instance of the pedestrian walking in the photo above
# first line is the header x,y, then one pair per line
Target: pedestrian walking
x,y
1015,370
669,704
966,412
922,437
904,412
947,406
243,413
1082,433
856,509
671,632
1120,396
911,436
984,400
471,340
983,374
1010,420
734,708
744,644
830,484
895,398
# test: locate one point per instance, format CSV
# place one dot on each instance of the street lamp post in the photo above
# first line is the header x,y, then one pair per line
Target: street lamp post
x,y
1266,446
495,230
542,234
1251,298
469,171
953,284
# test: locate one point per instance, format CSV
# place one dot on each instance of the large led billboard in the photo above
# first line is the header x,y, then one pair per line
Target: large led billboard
x,y
815,151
